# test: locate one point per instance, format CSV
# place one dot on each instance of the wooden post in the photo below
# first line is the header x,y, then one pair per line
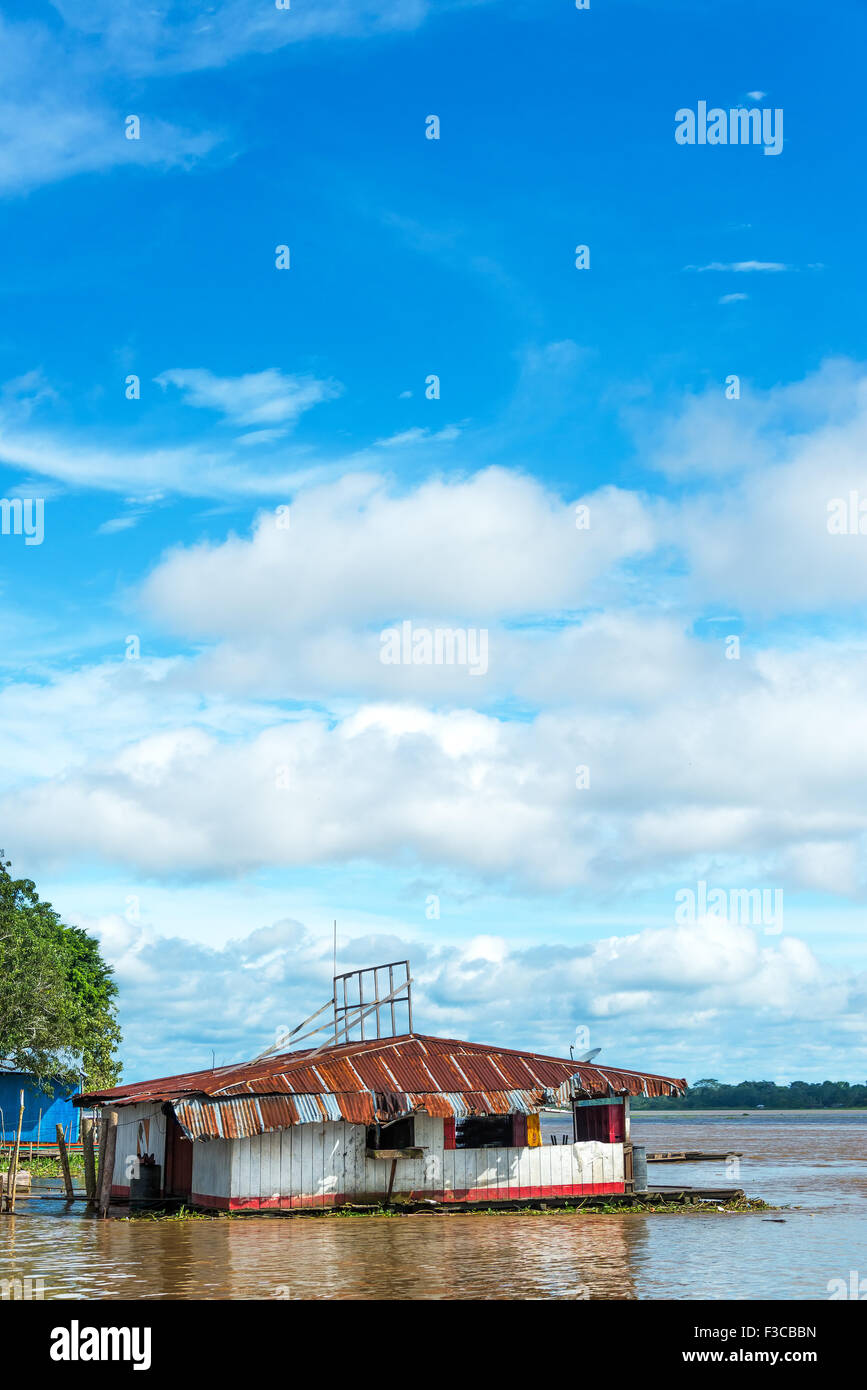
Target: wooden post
x,y
12,1175
106,1167
64,1163
103,1140
89,1160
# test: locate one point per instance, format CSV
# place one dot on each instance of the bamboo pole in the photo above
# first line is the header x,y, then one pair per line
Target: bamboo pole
x,y
89,1160
107,1164
64,1163
12,1175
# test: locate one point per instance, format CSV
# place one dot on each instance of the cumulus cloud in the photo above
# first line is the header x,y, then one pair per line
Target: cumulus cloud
x,y
497,542
778,464
768,468
281,742
666,999
731,787
710,434
693,758
769,471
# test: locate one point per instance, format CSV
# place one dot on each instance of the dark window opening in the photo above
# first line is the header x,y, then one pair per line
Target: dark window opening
x,y
484,1132
400,1134
601,1122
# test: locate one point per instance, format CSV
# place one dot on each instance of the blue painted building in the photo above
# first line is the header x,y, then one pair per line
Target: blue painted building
x,y
55,1105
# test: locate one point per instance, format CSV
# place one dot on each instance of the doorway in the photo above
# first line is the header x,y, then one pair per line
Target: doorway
x,y
179,1161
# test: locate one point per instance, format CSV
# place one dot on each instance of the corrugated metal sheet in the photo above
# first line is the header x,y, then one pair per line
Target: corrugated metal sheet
x,y
233,1119
376,1080
236,1117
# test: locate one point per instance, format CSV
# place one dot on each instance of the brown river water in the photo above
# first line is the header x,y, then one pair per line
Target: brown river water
x,y
811,1163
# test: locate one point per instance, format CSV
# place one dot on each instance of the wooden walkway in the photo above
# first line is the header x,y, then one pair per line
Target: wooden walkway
x,y
691,1156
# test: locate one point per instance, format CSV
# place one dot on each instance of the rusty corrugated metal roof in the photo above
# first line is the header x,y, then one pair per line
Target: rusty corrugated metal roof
x,y
236,1117
378,1079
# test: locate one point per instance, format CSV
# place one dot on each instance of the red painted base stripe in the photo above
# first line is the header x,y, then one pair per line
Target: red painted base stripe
x,y
523,1194
469,1194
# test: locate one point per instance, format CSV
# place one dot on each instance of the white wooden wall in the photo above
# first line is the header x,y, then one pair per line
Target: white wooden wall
x,y
128,1117
212,1169
320,1164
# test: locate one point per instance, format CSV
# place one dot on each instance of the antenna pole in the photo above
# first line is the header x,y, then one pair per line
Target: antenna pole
x,y
408,996
334,983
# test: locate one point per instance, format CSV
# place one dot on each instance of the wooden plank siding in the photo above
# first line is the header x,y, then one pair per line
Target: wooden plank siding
x,y
325,1164
320,1165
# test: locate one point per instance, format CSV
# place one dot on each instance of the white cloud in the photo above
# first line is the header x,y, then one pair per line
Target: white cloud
x,y
41,142
680,788
664,999
711,434
118,523
357,550
756,534
58,112
186,39
194,470
258,398
744,773
741,267
419,435
54,122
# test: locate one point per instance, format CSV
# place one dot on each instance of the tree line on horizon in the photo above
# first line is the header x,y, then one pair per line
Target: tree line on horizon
x,y
710,1094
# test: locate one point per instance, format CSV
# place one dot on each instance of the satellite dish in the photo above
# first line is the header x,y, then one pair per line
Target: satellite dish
x,y
588,1056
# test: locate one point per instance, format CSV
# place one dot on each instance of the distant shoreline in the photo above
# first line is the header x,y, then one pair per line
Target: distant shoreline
x,y
710,1094
749,1110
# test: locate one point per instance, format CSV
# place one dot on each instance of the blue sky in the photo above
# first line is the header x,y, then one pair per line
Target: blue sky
x,y
209,806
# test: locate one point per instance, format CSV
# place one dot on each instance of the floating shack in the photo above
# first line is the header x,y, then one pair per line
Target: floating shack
x,y
377,1119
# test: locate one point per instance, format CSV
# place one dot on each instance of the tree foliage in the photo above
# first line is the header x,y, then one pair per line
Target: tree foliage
x,y
57,997
710,1094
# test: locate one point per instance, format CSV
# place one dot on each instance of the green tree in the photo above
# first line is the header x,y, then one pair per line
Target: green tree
x,y
709,1094
57,997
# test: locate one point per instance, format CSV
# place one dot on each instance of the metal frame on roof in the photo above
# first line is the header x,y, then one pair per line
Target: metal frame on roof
x,y
352,1013
349,1015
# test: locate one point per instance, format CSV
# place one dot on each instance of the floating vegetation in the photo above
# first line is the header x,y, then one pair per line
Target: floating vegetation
x,y
585,1207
